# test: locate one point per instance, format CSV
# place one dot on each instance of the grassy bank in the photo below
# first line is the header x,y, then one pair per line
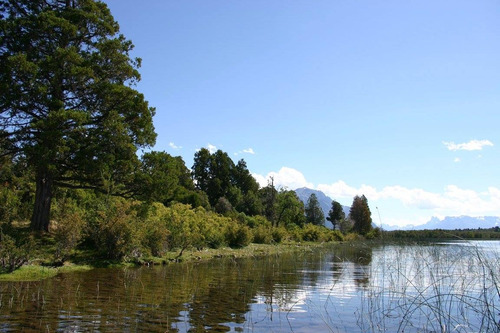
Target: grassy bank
x,y
36,270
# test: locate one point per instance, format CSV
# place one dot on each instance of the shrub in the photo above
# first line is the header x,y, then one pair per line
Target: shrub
x,y
295,233
373,234
9,203
110,228
351,237
311,233
262,235
152,231
237,235
333,236
12,255
279,234
67,225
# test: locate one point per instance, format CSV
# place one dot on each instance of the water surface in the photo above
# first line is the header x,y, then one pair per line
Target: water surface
x,y
446,287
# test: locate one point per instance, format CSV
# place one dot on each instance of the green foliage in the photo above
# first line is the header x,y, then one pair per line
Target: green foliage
x,y
152,232
67,226
9,204
361,215
254,221
223,206
313,211
14,254
279,234
238,235
333,236
336,214
311,233
218,176
373,234
290,209
269,196
262,235
67,103
163,178
110,228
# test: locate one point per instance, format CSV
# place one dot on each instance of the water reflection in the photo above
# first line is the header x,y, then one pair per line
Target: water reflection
x,y
341,289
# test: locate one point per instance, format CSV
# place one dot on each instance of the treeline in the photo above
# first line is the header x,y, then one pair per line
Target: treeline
x,y
435,234
167,207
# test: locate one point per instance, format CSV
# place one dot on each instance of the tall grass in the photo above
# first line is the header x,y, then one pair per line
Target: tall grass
x,y
434,289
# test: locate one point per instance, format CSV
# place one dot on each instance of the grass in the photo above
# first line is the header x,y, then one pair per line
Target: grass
x,y
38,272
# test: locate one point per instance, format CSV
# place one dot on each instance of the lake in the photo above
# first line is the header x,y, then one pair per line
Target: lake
x,y
438,287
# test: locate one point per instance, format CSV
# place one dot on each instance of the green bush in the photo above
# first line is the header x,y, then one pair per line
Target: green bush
x,y
110,228
262,235
311,233
279,234
67,226
295,233
333,236
152,231
237,235
9,203
373,234
12,254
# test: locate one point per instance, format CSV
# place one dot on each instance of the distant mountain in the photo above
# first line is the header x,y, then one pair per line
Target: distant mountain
x,y
325,202
460,222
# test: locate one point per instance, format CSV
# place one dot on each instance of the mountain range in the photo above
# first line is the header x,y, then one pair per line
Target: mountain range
x,y
446,223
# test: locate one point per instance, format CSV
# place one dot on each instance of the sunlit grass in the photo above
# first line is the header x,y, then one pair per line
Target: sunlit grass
x,y
36,272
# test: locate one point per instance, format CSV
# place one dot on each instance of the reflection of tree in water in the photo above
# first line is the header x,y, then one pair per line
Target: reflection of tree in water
x,y
195,297
359,256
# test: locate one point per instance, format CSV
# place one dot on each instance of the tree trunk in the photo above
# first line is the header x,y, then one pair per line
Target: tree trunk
x,y
43,199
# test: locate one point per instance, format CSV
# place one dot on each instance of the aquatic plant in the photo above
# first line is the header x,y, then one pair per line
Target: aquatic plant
x,y
452,289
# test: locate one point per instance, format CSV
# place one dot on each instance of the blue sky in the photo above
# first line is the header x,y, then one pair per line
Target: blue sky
x,y
397,100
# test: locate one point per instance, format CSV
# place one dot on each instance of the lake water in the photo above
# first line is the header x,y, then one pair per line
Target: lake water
x,y
446,287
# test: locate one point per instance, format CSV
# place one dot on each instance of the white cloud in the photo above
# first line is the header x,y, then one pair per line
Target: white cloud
x,y
174,146
286,178
211,148
249,151
471,145
452,201
456,160
402,205
245,151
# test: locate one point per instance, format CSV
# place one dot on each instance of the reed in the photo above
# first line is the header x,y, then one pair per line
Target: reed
x,y
452,289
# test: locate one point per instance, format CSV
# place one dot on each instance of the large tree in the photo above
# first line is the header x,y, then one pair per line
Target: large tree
x,y
68,103
218,176
314,214
360,214
336,214
164,178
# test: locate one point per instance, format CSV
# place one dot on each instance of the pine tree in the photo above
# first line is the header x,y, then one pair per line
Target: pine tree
x,y
314,214
336,214
361,215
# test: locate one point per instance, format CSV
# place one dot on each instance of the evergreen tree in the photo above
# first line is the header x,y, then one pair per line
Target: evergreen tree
x,y
361,215
269,196
67,104
336,214
313,211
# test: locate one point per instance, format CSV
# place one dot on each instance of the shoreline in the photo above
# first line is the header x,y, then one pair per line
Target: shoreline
x,y
37,272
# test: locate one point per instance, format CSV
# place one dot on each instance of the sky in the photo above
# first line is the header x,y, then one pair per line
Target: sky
x,y
396,100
